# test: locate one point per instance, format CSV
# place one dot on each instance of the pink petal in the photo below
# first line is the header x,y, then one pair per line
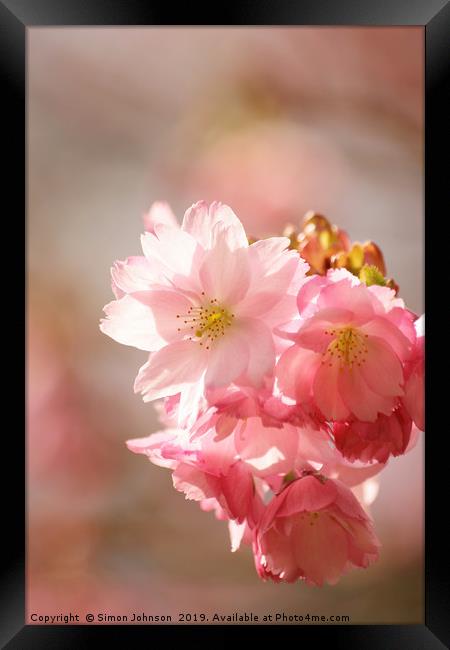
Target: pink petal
x,y
152,445
360,400
363,544
197,223
170,369
217,457
309,293
159,212
173,249
321,549
191,399
347,503
225,274
383,329
237,489
200,221
403,319
136,274
327,394
272,260
273,266
414,439
264,251
228,358
307,494
261,350
280,312
225,425
337,275
295,372
355,298
257,304
414,398
382,370
419,326
237,532
226,224
165,307
130,322
315,445
351,475
264,297
195,484
268,450
151,442
277,551
386,299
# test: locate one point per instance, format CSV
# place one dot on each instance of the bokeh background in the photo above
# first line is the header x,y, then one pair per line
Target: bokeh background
x,y
273,121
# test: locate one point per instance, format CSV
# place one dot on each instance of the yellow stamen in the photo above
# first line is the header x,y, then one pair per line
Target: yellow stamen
x,y
347,349
209,320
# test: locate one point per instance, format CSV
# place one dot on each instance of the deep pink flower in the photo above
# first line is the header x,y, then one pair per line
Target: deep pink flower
x,y
315,530
351,344
204,303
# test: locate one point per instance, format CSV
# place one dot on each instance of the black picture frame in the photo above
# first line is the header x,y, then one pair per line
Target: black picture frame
x,y
16,16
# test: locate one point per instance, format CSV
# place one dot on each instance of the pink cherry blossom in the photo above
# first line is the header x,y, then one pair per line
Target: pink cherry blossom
x,y
351,344
314,530
204,303
282,396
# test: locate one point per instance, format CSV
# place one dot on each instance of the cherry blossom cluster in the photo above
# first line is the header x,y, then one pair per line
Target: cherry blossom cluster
x,y
287,372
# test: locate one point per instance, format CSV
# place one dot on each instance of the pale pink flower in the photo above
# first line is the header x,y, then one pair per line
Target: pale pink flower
x,y
239,533
351,344
204,303
315,530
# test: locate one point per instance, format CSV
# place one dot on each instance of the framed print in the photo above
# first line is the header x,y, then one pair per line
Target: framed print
x,y
226,229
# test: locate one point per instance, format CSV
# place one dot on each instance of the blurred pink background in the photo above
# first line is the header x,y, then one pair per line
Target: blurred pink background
x,y
273,121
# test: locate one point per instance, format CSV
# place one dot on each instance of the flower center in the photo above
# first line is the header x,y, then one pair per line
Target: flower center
x,y
207,322
310,518
348,348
